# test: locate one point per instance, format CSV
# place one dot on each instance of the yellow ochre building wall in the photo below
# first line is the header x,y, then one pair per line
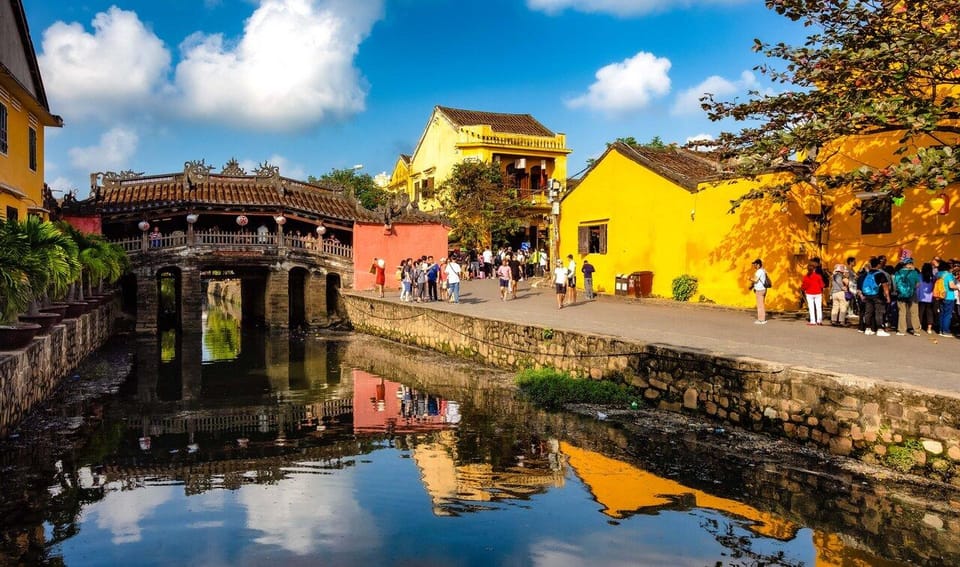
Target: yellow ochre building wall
x,y
20,186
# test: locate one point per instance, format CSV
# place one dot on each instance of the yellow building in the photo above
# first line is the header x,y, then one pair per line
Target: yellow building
x,y
661,210
24,113
530,155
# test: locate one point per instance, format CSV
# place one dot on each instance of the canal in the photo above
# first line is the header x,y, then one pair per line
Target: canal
x,y
239,448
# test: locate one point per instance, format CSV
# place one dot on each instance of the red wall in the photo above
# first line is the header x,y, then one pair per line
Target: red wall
x,y
404,241
87,225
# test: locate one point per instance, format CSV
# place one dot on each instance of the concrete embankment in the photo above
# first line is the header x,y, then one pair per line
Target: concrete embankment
x,y
29,375
877,421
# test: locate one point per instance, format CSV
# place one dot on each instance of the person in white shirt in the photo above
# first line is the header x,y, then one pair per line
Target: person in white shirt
x,y
560,282
758,285
453,279
487,262
571,279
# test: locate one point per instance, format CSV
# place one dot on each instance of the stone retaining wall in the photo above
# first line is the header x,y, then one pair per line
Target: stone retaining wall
x,y
30,375
845,414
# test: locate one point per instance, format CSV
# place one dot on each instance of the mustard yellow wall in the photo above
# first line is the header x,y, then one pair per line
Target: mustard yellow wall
x,y
15,172
915,225
654,224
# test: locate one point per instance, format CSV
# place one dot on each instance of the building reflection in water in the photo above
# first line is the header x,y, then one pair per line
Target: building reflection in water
x,y
290,427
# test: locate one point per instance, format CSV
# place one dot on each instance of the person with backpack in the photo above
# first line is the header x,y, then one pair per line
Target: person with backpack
x,y
907,280
875,293
925,301
759,284
945,289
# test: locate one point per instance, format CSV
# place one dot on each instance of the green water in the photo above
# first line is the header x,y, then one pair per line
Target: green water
x,y
237,448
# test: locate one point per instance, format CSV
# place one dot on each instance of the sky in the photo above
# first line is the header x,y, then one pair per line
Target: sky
x,y
315,85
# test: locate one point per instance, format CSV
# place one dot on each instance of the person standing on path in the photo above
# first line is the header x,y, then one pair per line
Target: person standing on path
x,y
487,256
380,274
876,295
587,271
433,270
571,279
839,288
515,273
928,310
907,280
950,286
758,285
560,282
812,287
453,279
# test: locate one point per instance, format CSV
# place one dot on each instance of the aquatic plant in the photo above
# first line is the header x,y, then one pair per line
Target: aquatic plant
x,y
552,389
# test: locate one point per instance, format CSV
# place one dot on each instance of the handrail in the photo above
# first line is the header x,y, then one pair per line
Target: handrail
x,y
243,240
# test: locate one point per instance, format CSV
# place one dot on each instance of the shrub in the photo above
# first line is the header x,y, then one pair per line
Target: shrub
x,y
552,389
684,287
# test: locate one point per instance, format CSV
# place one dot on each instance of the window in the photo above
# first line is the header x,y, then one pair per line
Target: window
x,y
33,149
13,214
875,216
592,239
3,128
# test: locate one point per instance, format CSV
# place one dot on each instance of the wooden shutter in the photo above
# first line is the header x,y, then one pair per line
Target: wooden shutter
x,y
603,238
583,239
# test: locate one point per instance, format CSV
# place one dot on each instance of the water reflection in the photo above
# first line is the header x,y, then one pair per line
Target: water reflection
x,y
355,452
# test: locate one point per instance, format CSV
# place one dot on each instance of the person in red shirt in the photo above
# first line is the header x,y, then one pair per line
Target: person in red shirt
x,y
812,287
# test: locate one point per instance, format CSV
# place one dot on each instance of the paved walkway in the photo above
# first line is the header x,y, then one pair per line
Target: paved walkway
x,y
926,361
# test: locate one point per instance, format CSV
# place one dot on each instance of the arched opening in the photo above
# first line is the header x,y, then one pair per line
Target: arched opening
x,y
168,298
297,288
128,294
333,294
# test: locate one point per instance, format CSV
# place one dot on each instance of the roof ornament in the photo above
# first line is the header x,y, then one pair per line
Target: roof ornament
x,y
233,168
272,173
196,172
111,179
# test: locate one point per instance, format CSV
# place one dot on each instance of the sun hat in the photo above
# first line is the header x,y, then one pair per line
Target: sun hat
x,y
839,268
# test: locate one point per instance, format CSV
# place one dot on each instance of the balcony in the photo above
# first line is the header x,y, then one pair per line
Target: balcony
x,y
235,241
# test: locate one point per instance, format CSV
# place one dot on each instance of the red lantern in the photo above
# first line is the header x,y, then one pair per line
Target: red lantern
x,y
946,204
242,220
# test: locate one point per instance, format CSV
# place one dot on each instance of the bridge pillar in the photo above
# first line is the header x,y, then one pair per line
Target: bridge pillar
x,y
315,300
277,314
191,301
148,298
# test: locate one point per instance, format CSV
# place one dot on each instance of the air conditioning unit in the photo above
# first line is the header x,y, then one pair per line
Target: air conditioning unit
x,y
520,163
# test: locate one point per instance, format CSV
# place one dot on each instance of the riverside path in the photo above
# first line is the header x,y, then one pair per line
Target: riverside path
x,y
926,361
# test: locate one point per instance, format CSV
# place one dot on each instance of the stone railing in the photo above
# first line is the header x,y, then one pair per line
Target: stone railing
x,y
243,240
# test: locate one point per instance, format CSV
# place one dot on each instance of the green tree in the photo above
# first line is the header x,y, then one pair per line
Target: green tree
x,y
360,185
480,207
873,67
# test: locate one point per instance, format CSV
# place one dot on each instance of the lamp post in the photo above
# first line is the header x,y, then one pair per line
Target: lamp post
x,y
554,195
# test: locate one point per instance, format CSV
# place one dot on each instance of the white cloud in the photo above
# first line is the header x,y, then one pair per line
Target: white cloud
x,y
112,153
688,101
293,66
628,85
121,512
619,7
120,66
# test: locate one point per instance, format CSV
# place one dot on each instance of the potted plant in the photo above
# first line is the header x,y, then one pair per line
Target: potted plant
x,y
16,266
57,253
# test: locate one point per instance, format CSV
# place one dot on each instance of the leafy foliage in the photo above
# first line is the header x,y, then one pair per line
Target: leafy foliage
x,y
875,67
552,389
360,185
480,207
684,287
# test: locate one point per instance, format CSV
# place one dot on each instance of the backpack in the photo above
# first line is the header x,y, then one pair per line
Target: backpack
x,y
905,284
870,286
766,280
939,289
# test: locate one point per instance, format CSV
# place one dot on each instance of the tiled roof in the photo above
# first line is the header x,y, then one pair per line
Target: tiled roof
x,y
231,193
684,167
499,122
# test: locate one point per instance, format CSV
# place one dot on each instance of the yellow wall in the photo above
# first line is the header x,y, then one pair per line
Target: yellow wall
x,y
650,227
15,174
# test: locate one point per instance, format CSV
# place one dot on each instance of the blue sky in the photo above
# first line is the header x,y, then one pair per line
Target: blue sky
x,y
312,85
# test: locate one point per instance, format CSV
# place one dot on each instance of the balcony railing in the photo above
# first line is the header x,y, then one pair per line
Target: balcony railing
x,y
234,241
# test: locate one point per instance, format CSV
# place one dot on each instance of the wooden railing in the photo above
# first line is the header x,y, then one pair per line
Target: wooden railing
x,y
234,241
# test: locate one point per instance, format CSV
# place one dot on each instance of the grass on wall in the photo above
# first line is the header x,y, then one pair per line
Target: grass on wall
x,y
552,389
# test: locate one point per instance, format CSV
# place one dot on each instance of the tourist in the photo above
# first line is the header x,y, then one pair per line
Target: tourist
x,y
875,294
544,262
433,270
262,231
854,309
949,278
487,262
758,285
907,281
421,281
503,274
442,278
155,237
571,279
927,308
452,271
587,271
405,280
839,288
812,286
515,274
560,282
473,270
380,275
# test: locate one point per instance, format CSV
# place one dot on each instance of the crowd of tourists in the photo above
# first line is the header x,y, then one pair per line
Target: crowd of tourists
x,y
423,279
885,299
